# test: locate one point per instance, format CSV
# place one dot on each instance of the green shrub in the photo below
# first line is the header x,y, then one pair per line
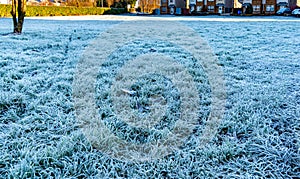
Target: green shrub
x,y
5,10
61,11
116,11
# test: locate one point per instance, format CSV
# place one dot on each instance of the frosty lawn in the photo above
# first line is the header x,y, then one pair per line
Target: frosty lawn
x,y
155,56
258,136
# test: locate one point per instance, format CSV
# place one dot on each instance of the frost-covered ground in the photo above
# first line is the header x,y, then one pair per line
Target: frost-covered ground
x,y
258,136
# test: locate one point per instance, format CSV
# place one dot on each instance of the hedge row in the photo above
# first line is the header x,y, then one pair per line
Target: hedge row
x,y
61,11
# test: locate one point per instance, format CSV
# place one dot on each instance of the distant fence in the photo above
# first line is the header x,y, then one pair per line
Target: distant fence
x,y
61,11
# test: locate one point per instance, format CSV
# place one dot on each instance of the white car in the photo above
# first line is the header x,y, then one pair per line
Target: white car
x,y
296,13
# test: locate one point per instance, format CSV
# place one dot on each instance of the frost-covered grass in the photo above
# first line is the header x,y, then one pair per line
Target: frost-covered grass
x,y
258,137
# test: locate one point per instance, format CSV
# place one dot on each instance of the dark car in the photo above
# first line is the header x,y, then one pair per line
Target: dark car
x,y
283,11
296,13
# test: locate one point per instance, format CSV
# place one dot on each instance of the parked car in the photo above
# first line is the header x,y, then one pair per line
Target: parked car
x,y
283,11
296,13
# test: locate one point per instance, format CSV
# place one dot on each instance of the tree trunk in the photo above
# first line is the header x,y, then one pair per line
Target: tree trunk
x,y
14,13
18,9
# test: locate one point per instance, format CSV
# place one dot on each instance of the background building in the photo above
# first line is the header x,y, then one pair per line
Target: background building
x,y
172,6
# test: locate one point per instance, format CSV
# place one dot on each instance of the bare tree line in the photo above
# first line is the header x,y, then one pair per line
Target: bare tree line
x,y
149,5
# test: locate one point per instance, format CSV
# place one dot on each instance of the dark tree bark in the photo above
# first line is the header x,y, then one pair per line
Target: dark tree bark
x,y
18,9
